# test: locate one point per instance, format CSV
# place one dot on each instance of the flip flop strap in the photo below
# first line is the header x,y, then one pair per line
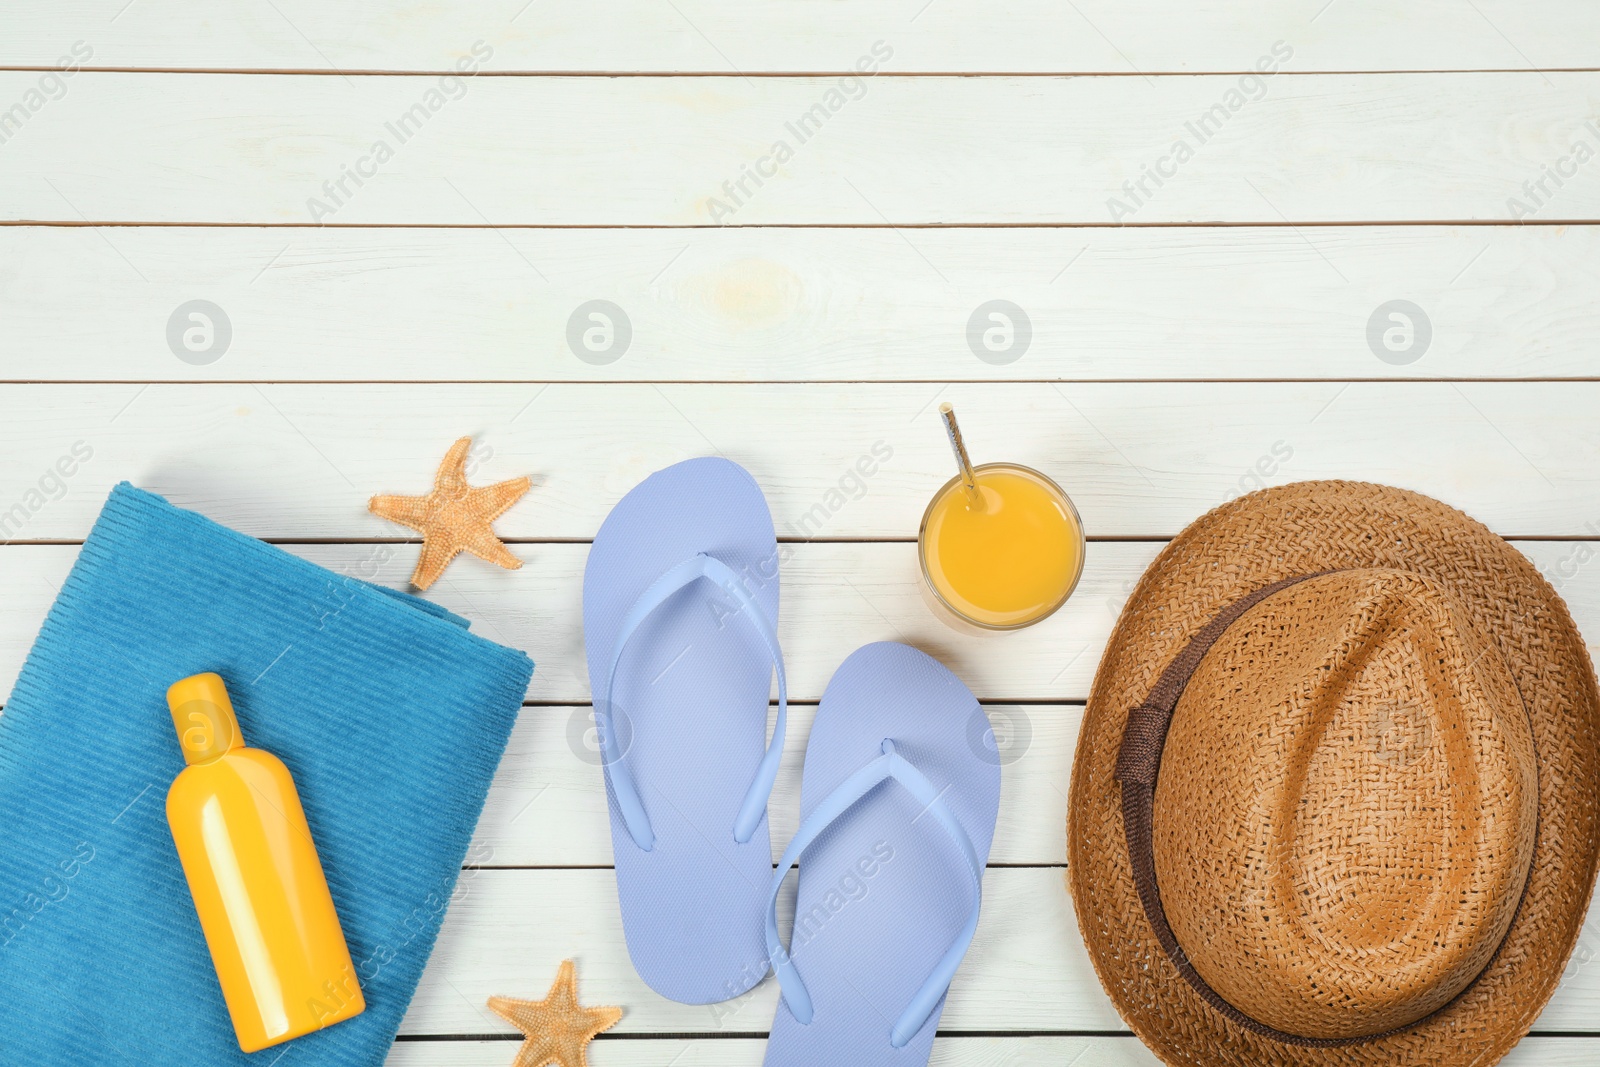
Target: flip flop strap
x,y
617,773
852,789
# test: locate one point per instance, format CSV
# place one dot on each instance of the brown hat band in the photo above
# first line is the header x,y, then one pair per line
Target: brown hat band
x,y
1139,764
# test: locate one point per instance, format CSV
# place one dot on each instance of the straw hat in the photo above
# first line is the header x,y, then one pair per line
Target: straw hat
x,y
1335,797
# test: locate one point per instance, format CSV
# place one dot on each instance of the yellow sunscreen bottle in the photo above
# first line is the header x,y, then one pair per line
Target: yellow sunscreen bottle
x,y
253,871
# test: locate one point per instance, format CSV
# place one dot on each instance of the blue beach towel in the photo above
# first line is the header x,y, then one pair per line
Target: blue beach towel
x,y
390,715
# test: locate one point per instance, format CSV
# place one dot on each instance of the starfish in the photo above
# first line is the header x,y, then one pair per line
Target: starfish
x,y
557,1029
454,517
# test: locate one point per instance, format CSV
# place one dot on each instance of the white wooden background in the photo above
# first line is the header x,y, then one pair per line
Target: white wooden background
x,y
1215,342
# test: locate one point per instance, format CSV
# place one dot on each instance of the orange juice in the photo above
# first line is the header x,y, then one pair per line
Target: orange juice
x,y
1009,562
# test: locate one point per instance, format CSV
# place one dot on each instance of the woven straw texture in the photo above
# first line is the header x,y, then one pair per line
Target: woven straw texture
x,y
1395,770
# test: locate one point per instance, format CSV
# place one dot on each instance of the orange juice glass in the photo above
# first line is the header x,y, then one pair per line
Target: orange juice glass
x,y
1001,545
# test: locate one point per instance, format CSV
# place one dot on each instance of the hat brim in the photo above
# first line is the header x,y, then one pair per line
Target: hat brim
x,y
1299,529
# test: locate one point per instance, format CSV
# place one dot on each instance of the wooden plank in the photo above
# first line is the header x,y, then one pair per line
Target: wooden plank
x,y
837,597
952,1051
657,151
1139,459
548,806
1027,969
757,304
793,35
548,803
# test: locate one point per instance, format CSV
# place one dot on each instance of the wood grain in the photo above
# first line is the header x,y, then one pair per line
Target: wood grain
x,y
738,304
836,597
951,1051
548,803
657,151
1027,969
1139,459
794,35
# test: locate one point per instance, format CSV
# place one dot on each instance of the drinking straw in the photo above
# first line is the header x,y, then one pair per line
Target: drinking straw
x,y
968,477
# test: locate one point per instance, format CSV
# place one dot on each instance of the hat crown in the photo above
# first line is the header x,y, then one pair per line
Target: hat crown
x,y
1346,807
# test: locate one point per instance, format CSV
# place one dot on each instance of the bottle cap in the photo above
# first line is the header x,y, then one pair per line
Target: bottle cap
x,y
203,716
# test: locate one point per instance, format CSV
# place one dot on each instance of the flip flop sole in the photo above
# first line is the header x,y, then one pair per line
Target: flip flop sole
x,y
884,891
690,711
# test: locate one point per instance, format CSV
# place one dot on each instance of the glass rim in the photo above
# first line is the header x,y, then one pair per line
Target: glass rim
x,y
922,553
